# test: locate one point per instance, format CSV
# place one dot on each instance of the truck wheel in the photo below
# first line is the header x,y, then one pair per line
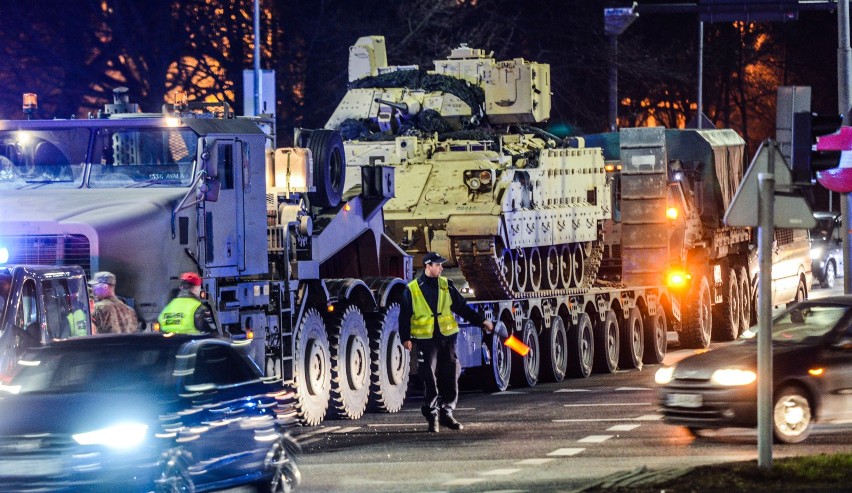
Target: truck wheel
x,y
329,167
390,363
801,291
656,337
829,278
698,318
745,300
633,340
499,368
727,325
311,369
607,344
525,373
350,364
581,351
554,352
792,416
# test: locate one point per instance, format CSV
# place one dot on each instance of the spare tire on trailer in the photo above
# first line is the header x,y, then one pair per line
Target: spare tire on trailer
x,y
329,168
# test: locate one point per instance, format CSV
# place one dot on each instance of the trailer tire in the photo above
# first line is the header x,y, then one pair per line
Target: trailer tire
x,y
745,300
390,363
698,317
581,351
656,338
526,368
727,324
329,168
554,353
311,369
632,340
499,368
350,364
607,342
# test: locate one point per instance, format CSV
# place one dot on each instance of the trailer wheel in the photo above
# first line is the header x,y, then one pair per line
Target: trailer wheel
x,y
727,326
633,340
329,167
311,369
656,337
526,368
350,364
745,300
499,369
390,363
698,318
554,353
607,344
581,352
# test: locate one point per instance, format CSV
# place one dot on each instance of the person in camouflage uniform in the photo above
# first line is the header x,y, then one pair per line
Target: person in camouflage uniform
x,y
111,315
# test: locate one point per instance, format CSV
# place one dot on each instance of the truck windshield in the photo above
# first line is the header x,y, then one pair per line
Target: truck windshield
x,y
143,157
43,158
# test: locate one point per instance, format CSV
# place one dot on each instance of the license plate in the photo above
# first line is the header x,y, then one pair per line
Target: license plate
x,y
684,400
37,467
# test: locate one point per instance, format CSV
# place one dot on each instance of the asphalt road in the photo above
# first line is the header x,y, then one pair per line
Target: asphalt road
x,y
552,437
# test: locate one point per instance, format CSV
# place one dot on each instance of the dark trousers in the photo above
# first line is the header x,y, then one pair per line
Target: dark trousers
x,y
439,368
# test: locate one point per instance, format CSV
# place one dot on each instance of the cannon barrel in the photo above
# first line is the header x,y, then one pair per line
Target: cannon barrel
x,y
403,107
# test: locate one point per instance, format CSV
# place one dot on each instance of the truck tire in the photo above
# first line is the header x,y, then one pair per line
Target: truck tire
x,y
698,317
745,300
329,168
311,369
656,338
801,291
726,325
632,340
525,369
499,366
390,363
350,364
607,346
554,351
581,349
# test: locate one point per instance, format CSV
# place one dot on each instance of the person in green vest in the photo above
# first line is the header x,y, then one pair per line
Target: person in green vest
x,y
427,324
187,313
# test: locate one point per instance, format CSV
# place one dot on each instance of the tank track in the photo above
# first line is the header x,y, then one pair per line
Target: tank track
x,y
477,258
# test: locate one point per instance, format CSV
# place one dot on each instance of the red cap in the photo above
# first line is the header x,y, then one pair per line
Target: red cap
x,y
191,278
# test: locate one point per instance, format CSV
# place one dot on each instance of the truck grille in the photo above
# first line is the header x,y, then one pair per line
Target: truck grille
x,y
49,250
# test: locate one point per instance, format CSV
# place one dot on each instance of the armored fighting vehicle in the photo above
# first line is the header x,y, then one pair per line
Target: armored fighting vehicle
x,y
516,209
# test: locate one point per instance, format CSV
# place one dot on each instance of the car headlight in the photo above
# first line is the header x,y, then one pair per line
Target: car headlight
x,y
120,436
664,375
816,253
730,377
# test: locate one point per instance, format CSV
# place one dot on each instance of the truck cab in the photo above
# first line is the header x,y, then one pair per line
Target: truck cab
x,y
39,304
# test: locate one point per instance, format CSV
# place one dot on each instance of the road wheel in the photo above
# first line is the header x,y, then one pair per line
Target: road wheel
x,y
390,362
554,352
522,272
350,364
607,344
829,278
551,268
727,324
281,460
578,264
526,368
566,269
311,369
536,267
792,417
174,473
745,300
581,350
698,318
499,369
329,167
632,340
656,338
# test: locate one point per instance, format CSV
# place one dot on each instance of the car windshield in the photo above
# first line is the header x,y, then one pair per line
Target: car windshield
x,y
5,285
43,158
98,368
807,322
823,229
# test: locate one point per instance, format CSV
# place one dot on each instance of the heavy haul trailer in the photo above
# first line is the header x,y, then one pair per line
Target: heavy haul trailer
x,y
285,255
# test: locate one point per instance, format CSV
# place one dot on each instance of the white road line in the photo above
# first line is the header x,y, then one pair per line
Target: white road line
x,y
324,429
609,404
533,462
347,429
632,388
595,438
464,481
396,425
623,427
417,410
499,472
510,392
571,390
590,420
565,452
650,417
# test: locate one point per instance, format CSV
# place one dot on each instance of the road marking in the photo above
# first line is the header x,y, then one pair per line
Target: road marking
x,y
632,388
392,425
417,410
565,452
533,462
623,427
347,429
509,392
595,439
324,429
571,390
464,481
499,472
589,420
650,417
609,404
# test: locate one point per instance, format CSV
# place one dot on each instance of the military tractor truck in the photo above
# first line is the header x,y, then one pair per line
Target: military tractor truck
x,y
286,257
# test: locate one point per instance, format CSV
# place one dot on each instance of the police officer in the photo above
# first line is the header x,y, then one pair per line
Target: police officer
x,y
426,316
187,313
111,315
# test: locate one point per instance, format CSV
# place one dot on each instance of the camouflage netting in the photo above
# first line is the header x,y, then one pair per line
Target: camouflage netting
x,y
472,95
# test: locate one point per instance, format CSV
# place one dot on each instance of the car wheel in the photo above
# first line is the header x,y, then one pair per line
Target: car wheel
x,y
174,473
281,460
830,277
801,291
792,416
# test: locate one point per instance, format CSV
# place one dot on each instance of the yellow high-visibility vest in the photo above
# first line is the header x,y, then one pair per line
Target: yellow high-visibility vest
x,y
422,320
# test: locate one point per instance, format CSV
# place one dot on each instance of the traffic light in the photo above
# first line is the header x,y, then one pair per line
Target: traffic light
x,y
807,127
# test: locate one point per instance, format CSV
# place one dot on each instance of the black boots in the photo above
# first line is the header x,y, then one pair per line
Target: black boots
x,y
450,422
434,427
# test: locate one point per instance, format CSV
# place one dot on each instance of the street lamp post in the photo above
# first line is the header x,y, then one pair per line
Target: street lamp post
x,y
616,21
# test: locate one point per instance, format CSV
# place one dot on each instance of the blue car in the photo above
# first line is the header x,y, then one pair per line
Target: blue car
x,y
143,412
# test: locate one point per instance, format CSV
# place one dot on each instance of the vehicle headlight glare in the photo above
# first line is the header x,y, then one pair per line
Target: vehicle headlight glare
x,y
816,253
664,375
731,377
119,436
4,255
